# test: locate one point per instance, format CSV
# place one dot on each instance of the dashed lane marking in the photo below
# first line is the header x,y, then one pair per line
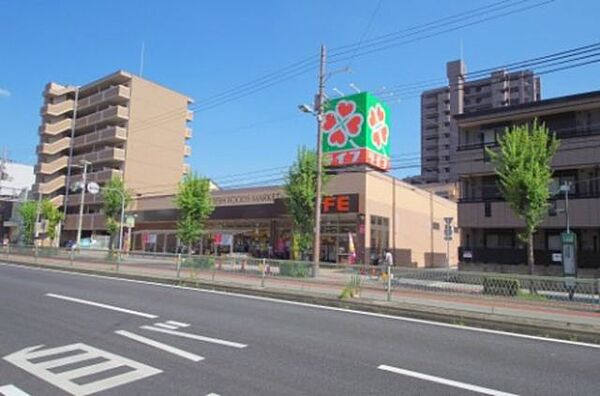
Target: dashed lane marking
x,y
444,381
70,380
160,345
100,305
195,337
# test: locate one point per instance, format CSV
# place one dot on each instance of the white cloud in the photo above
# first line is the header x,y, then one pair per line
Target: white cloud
x,y
4,92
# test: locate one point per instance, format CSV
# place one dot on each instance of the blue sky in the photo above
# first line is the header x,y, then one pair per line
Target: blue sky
x,y
202,48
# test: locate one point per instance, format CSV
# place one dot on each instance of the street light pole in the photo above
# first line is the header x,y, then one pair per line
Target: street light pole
x,y
81,202
567,187
319,114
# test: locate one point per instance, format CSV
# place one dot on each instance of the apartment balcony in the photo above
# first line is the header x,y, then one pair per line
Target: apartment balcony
x,y
53,89
187,150
55,147
186,169
74,199
110,135
188,133
57,200
48,168
583,212
110,114
189,115
106,155
56,127
114,95
89,221
56,109
51,186
99,177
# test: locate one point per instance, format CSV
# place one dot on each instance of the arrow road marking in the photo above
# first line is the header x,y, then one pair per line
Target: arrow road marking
x,y
178,324
195,337
70,380
444,381
100,305
11,390
160,345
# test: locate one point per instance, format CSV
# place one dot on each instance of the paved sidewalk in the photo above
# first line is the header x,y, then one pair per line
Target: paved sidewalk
x,y
329,285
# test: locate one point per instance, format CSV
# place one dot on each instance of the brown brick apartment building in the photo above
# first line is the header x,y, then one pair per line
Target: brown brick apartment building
x,y
123,126
488,227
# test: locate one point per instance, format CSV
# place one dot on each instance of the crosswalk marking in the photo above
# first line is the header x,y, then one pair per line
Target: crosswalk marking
x,y
11,390
66,380
195,337
160,345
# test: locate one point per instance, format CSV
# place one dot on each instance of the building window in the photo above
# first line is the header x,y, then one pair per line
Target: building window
x,y
380,235
435,225
487,209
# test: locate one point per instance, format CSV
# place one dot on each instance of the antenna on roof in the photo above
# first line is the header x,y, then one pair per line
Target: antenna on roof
x,y
142,58
354,87
337,91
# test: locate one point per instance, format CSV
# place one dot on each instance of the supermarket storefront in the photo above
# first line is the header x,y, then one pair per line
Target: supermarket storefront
x,y
368,211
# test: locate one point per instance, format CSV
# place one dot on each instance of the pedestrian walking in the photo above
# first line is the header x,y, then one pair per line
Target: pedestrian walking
x,y
388,259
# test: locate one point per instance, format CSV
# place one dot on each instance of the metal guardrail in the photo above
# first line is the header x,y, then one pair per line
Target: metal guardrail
x,y
374,281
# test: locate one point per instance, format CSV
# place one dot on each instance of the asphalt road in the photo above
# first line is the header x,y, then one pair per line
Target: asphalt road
x,y
114,337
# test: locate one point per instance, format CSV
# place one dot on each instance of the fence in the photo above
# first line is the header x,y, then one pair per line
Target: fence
x,y
344,281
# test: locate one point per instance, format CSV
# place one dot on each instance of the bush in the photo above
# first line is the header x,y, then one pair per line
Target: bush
x,y
199,262
352,288
294,270
501,286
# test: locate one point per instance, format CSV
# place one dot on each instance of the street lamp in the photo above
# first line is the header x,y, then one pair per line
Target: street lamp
x,y
84,165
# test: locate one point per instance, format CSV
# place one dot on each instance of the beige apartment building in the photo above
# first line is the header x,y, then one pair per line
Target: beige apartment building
x,y
463,94
122,126
374,210
488,226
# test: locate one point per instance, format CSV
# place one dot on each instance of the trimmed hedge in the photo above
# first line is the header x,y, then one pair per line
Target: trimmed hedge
x,y
501,286
199,262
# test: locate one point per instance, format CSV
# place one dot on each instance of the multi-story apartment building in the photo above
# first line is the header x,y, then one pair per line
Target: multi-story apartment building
x,y
438,106
122,126
489,228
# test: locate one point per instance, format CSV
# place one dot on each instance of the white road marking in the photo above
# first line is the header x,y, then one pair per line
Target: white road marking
x,y
100,305
11,390
66,380
178,324
444,381
212,394
308,305
166,326
160,345
196,337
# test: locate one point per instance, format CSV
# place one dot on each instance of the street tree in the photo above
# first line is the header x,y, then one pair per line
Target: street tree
x,y
523,166
53,217
300,187
113,194
28,213
195,204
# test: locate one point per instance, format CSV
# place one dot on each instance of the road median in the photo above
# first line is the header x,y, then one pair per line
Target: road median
x,y
564,327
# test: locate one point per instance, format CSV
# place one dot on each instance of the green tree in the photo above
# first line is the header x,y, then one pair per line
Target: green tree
x,y
28,213
195,205
523,166
53,216
300,187
113,194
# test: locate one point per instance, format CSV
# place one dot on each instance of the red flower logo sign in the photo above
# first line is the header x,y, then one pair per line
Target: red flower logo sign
x,y
342,124
379,128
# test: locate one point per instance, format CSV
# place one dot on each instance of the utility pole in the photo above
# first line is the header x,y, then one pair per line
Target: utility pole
x,y
566,188
81,201
319,114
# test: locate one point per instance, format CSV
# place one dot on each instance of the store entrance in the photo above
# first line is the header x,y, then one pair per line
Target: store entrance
x,y
338,239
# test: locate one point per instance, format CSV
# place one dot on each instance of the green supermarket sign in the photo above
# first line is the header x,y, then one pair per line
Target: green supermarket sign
x,y
356,132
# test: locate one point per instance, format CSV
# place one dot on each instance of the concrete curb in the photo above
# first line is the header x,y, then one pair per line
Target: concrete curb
x,y
536,327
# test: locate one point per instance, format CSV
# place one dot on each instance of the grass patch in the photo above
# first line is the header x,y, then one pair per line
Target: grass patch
x,y
521,295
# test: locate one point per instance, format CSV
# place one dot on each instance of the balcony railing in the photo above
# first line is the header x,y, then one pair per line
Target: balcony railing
x,y
561,134
108,154
55,147
119,91
98,177
56,109
112,112
498,197
56,127
106,135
